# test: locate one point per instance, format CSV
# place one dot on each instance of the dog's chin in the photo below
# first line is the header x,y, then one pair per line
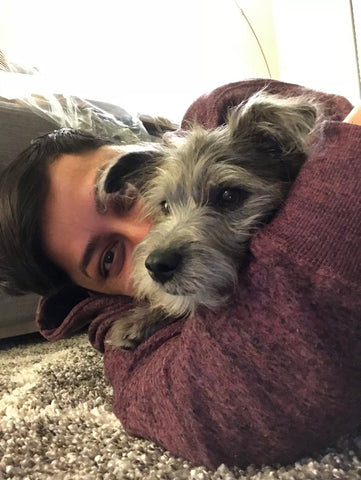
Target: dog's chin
x,y
182,301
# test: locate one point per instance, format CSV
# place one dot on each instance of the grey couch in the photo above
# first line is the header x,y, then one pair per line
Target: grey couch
x,y
20,122
24,117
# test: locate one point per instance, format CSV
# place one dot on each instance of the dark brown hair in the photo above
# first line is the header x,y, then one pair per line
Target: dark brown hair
x,y
23,188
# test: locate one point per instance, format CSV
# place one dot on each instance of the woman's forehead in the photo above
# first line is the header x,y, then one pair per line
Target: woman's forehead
x,y
71,183
68,162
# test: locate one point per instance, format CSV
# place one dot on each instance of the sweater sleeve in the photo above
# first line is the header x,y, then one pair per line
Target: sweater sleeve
x,y
277,372
320,222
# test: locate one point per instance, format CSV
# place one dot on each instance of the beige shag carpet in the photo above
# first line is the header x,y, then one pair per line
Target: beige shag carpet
x,y
56,422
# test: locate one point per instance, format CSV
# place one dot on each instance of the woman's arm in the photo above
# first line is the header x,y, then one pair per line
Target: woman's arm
x,y
354,116
276,373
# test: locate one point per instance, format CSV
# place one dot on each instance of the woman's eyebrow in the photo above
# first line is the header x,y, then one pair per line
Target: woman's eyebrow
x,y
88,254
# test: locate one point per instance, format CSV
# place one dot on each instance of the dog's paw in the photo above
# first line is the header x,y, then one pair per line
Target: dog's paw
x,y
138,325
125,334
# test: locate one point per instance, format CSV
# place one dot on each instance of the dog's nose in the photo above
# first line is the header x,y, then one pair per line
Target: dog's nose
x,y
162,264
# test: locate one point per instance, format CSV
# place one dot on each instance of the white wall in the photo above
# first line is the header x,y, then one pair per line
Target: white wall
x,y
152,54
315,44
157,56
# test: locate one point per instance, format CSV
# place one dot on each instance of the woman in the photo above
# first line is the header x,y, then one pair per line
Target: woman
x,y
275,374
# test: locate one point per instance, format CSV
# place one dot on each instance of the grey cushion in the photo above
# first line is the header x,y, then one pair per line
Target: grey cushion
x,y
17,315
18,125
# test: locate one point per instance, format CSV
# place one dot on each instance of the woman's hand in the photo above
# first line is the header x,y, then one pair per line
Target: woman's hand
x,y
354,116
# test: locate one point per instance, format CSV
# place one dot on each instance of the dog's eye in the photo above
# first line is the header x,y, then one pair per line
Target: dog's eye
x,y
231,197
271,145
165,207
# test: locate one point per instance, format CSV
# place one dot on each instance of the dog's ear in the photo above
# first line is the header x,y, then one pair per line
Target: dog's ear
x,y
277,129
131,169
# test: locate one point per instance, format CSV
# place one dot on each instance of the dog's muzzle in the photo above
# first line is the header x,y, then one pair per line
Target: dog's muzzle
x,y
163,264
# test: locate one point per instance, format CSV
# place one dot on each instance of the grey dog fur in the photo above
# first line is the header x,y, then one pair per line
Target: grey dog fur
x,y
208,192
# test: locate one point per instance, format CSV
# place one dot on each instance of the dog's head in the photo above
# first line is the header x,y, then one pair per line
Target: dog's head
x,y
208,192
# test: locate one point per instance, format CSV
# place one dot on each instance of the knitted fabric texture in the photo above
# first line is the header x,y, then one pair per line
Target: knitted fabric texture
x,y
276,373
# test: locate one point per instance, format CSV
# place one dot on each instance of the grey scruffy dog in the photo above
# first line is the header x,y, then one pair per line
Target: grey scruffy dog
x,y
208,192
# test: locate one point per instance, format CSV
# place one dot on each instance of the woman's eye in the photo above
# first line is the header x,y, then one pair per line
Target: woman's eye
x,y
107,262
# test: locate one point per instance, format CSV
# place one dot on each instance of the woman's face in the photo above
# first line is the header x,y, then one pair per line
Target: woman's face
x,y
93,248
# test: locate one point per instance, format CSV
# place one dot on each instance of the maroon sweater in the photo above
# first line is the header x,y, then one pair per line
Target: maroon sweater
x,y
276,373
